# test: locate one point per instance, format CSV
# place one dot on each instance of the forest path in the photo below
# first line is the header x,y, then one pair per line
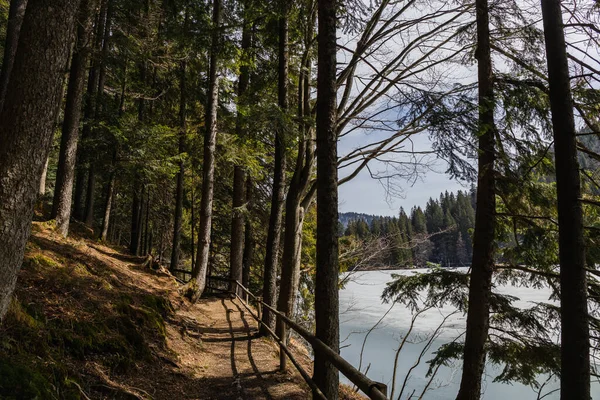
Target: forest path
x,y
120,339
217,342
215,350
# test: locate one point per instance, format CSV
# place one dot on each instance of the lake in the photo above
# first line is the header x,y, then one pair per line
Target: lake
x,y
361,307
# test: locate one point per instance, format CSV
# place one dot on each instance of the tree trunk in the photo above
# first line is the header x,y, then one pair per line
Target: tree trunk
x,y
327,270
13,28
236,254
278,192
103,58
482,266
34,89
290,265
103,40
210,141
140,223
90,196
179,190
42,189
80,180
575,342
248,239
193,218
147,225
135,217
79,208
110,190
297,202
63,190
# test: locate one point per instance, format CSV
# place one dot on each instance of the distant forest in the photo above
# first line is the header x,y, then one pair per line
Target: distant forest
x,y
439,234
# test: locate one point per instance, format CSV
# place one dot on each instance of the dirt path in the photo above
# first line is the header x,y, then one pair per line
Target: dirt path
x,y
207,350
214,350
217,342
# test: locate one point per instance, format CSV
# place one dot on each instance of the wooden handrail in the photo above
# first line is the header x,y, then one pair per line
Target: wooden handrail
x,y
369,387
316,391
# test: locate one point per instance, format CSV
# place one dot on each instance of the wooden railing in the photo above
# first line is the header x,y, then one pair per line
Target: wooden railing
x,y
375,390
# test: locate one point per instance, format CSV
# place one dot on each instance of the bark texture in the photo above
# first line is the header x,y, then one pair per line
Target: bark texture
x,y
325,374
179,187
26,123
208,177
16,13
104,39
298,200
90,195
278,191
63,190
482,266
42,189
236,254
110,190
135,218
83,159
575,342
249,237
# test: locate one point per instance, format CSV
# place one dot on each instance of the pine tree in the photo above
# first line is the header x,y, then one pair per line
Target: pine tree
x,y
34,88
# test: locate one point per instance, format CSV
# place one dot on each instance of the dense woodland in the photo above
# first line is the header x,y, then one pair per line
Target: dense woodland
x,y
205,134
440,234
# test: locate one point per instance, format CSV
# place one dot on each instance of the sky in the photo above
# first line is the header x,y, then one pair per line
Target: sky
x,y
364,194
367,195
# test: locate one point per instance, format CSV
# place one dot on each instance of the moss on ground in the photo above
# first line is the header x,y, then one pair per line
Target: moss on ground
x,y
69,313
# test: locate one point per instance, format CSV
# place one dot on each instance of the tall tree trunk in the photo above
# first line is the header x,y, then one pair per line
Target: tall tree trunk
x,y
42,188
13,28
327,270
90,196
80,181
147,225
81,178
34,89
193,218
236,254
99,104
482,266
248,238
135,217
208,177
297,202
110,190
180,175
575,342
278,192
290,265
63,190
140,223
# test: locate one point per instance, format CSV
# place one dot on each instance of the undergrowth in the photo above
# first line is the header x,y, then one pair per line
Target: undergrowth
x,y
70,311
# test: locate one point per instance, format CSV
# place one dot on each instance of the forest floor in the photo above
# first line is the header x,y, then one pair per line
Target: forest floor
x,y
90,322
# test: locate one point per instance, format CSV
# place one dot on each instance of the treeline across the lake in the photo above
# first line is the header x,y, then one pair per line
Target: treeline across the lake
x,y
440,234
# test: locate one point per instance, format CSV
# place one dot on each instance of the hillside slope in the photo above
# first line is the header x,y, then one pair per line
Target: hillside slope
x,y
89,322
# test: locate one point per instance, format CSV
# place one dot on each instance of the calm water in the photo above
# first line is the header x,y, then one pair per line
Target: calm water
x,y
361,308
